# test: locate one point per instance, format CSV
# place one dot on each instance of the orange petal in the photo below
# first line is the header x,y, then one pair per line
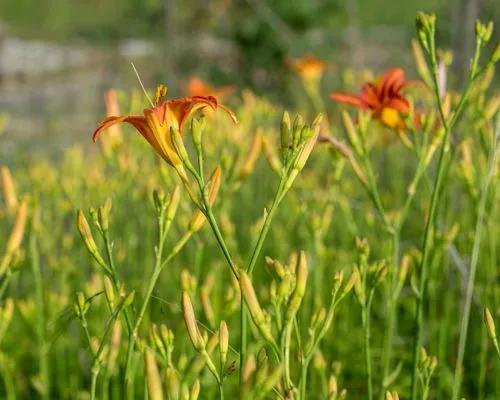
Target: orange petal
x,y
353,100
137,121
181,109
398,103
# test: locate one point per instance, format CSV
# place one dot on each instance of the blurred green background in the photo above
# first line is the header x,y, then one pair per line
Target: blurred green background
x,y
57,57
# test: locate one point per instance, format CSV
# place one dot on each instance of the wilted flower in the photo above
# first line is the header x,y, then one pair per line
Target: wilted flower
x,y
383,97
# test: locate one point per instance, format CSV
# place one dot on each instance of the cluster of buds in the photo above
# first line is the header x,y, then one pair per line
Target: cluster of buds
x,y
163,340
391,395
259,378
333,390
370,274
426,29
81,306
297,142
426,365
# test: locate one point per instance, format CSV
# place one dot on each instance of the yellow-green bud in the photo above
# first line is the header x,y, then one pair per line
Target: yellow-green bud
x,y
223,341
109,291
190,320
301,273
153,381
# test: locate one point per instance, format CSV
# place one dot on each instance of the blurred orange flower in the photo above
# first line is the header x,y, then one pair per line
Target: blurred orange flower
x,y
383,97
198,87
309,68
157,121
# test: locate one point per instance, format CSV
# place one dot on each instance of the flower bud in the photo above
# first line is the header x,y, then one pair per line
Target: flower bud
x,y
490,325
298,124
8,188
153,381
190,320
88,239
272,380
17,233
179,146
195,390
301,273
81,305
256,312
172,384
109,292
223,341
483,32
197,129
351,282
103,214
285,131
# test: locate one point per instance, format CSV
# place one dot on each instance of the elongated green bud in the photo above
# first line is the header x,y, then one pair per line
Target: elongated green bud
x,y
179,146
153,381
301,273
256,312
351,282
490,325
197,129
81,305
223,341
17,233
109,292
173,203
103,214
88,238
172,384
285,131
8,188
195,390
190,320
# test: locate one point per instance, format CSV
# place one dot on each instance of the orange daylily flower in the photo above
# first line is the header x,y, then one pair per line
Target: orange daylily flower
x,y
383,97
309,68
198,87
157,121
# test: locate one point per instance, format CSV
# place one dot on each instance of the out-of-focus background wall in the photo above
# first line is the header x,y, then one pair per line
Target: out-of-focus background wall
x,y
57,57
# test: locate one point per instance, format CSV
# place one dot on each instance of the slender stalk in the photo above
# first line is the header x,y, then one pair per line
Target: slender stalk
x,y
392,311
159,265
438,181
481,213
41,323
366,311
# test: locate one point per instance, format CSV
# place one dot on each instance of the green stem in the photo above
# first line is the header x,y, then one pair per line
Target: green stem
x,y
93,384
473,266
429,228
366,325
159,265
41,323
392,310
